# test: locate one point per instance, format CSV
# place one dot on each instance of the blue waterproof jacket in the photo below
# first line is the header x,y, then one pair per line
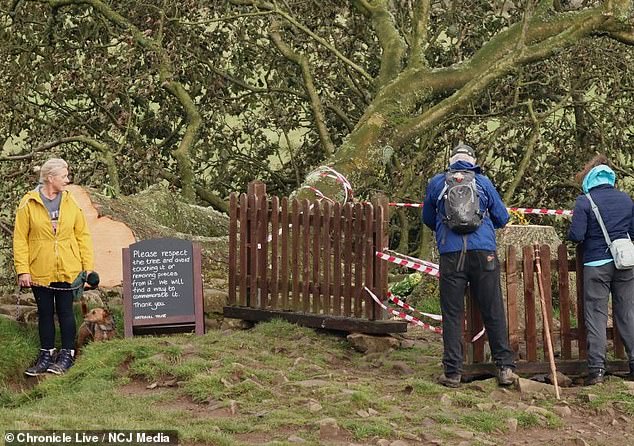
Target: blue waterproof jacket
x,y
616,209
495,213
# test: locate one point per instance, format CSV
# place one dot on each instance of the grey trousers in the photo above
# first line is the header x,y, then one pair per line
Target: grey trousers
x,y
599,282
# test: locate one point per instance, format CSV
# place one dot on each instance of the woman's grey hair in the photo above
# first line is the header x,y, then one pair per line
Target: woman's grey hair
x,y
52,167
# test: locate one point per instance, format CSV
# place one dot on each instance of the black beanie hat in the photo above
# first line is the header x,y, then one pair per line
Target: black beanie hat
x,y
464,149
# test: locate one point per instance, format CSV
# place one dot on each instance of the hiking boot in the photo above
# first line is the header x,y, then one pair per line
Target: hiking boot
x,y
596,376
63,362
43,362
506,376
450,380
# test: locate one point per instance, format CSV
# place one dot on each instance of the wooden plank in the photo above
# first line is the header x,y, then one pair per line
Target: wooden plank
x,y
358,258
326,255
244,243
199,314
233,246
368,264
564,301
316,251
524,368
380,266
512,287
252,298
544,258
328,322
305,296
284,255
528,268
581,320
347,262
295,250
128,323
263,250
337,278
275,229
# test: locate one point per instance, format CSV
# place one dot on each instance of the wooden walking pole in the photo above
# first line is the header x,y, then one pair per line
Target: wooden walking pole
x,y
542,301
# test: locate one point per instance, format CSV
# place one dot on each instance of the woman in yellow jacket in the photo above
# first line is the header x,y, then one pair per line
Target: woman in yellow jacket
x,y
51,247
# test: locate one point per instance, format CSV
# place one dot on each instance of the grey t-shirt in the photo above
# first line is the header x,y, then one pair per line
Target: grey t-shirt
x,y
53,208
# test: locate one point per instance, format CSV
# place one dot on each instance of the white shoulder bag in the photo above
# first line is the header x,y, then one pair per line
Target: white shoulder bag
x,y
622,249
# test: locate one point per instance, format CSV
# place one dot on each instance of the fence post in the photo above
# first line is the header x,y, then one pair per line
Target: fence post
x,y
381,242
255,190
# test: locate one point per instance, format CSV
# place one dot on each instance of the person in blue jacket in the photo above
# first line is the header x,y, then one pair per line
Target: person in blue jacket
x,y
600,276
469,259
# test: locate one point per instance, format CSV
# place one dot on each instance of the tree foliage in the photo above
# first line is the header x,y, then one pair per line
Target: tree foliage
x,y
208,95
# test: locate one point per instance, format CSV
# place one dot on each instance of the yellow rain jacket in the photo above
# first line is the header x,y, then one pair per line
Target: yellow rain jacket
x,y
47,256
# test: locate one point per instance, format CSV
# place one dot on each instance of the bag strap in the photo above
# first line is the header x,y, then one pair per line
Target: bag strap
x,y
595,209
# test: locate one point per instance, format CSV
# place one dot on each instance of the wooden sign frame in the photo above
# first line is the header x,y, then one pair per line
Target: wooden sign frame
x,y
169,324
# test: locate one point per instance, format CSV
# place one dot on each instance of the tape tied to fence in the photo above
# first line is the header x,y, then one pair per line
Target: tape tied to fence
x,y
402,315
533,211
413,320
423,266
329,172
419,265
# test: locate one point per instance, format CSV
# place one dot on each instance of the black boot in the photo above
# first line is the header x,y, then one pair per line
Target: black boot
x,y
44,360
596,376
63,362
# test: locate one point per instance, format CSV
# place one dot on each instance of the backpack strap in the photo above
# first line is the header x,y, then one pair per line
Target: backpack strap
x,y
597,214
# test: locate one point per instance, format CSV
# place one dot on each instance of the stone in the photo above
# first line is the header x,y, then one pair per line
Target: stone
x,y
383,442
526,386
562,379
314,406
539,410
403,368
511,424
295,439
562,411
214,300
399,443
372,344
329,430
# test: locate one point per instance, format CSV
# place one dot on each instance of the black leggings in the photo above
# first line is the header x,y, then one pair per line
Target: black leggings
x,y
51,301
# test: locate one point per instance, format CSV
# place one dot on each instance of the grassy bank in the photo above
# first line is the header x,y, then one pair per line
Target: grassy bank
x,y
264,386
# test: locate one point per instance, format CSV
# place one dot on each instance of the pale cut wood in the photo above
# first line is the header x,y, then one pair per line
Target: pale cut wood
x,y
109,237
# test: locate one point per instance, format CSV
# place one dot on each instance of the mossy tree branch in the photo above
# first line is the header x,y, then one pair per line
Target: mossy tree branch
x,y
106,153
420,33
390,40
167,80
309,84
273,7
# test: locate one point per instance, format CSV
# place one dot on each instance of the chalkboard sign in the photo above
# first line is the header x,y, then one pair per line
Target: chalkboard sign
x,y
162,285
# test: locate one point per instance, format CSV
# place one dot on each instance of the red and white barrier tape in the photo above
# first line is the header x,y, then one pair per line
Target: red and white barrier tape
x,y
406,205
535,211
540,211
318,193
425,267
402,304
411,259
407,317
413,320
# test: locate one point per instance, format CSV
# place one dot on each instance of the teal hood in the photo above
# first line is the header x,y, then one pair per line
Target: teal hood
x,y
599,175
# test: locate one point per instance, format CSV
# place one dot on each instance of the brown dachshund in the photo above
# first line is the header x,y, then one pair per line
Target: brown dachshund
x,y
98,325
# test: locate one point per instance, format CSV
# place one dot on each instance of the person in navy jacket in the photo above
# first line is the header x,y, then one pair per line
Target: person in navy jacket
x,y
469,259
600,276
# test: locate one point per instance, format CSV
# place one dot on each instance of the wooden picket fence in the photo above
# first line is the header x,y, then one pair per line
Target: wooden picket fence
x,y
529,342
307,262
